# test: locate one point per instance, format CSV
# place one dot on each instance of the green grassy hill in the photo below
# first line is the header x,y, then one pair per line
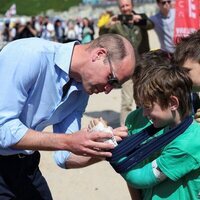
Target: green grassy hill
x,y
34,7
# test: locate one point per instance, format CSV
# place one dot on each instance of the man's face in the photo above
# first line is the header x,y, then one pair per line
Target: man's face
x,y
164,6
194,72
125,6
103,74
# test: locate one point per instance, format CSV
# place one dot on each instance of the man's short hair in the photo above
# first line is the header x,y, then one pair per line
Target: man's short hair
x,y
113,43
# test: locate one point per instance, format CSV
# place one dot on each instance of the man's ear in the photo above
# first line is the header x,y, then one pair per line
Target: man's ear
x,y
99,53
173,103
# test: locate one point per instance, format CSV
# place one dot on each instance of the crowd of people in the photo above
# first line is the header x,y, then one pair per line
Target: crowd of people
x,y
51,83
51,29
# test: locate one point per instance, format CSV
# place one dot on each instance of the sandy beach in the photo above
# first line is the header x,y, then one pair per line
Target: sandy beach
x,y
100,181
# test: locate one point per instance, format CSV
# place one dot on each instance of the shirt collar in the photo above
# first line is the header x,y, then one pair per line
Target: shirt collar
x,y
63,56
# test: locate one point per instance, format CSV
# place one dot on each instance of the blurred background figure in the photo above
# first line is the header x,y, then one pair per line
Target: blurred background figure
x,y
79,28
104,20
25,29
88,31
164,25
59,31
6,31
70,31
48,31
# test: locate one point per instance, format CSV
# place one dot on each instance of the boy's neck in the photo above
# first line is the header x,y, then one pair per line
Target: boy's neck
x,y
178,118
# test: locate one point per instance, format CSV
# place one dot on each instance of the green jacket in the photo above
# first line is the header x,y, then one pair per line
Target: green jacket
x,y
136,34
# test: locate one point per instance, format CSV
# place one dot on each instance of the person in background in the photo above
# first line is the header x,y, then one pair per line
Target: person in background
x,y
78,27
6,31
25,29
87,34
187,55
70,32
134,27
51,83
47,31
164,25
59,31
91,25
104,19
164,22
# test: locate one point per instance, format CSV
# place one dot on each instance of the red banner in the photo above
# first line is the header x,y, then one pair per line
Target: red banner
x,y
187,18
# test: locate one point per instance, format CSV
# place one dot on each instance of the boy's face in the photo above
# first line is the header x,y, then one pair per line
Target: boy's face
x,y
194,72
160,117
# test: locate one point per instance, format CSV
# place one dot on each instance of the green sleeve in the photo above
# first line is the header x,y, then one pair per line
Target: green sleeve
x,y
136,122
141,177
175,163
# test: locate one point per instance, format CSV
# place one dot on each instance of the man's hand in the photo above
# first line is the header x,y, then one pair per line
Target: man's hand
x,y
87,144
137,18
113,20
81,142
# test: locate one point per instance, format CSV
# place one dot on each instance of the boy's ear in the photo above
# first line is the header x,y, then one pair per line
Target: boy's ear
x,y
173,103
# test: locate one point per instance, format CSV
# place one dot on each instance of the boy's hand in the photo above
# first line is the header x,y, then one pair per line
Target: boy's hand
x,y
95,122
120,133
97,125
197,115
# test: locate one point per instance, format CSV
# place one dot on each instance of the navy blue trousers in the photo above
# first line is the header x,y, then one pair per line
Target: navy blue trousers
x,y
21,179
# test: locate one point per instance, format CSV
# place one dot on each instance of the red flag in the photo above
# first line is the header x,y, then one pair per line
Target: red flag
x,y
187,18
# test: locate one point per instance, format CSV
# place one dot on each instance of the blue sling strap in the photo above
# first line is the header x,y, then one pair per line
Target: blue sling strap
x,y
131,143
131,151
